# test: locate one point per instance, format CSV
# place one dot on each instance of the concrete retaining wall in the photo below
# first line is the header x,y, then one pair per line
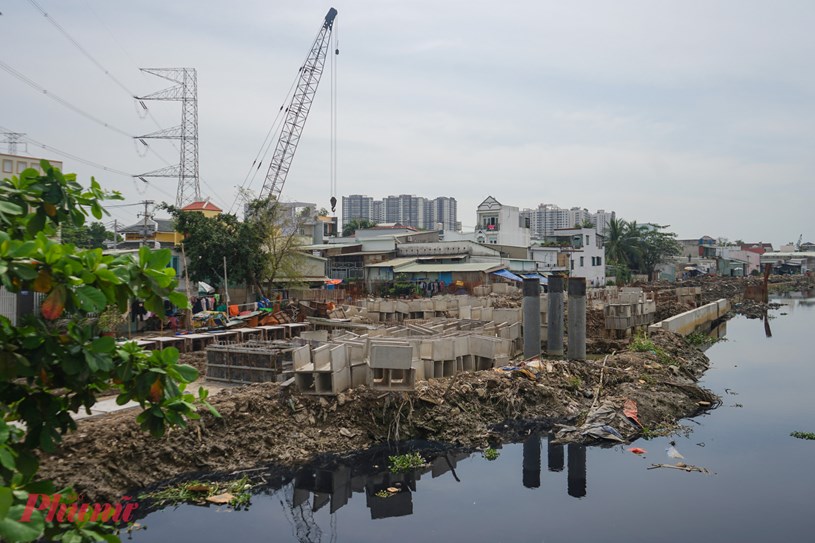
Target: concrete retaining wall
x,y
689,321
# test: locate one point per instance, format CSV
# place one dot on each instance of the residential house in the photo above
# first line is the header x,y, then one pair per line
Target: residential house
x,y
498,224
586,254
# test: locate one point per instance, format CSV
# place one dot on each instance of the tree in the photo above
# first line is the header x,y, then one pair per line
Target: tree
x,y
621,242
356,224
208,240
258,250
656,246
634,247
92,236
53,363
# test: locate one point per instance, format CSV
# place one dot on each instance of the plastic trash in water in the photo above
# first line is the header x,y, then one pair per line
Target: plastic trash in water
x,y
671,451
637,450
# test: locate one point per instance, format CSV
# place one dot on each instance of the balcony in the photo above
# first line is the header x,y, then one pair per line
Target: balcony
x,y
489,227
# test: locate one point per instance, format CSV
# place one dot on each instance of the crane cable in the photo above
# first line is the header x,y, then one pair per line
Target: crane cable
x,y
333,66
269,140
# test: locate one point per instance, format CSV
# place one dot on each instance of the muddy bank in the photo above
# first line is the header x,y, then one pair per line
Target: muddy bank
x,y
268,423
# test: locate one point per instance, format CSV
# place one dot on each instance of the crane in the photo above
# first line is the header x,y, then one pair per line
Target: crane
x,y
297,112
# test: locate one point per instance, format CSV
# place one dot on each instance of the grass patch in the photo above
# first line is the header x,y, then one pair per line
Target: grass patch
x,y
406,462
199,491
804,435
644,344
574,382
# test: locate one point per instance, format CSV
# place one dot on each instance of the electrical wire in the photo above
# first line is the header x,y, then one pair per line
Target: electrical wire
x,y
72,156
79,46
101,67
59,100
74,108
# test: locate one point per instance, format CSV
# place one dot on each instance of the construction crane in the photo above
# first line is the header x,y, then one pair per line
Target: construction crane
x,y
297,112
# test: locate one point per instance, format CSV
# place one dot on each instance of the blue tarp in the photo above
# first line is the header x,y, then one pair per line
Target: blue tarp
x,y
506,274
543,280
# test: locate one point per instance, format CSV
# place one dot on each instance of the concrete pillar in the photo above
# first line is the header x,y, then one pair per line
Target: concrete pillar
x,y
576,478
554,453
577,318
532,318
554,328
532,461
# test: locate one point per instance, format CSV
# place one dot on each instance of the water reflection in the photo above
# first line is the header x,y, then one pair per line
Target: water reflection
x,y
391,494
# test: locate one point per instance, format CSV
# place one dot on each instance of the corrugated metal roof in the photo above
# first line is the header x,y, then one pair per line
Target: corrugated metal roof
x,y
393,263
453,267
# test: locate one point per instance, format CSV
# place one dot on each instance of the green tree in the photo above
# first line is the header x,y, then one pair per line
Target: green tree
x,y
621,242
655,247
258,250
53,363
92,236
209,239
356,224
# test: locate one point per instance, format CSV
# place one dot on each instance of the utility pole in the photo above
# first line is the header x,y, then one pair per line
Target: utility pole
x,y
115,234
226,285
146,216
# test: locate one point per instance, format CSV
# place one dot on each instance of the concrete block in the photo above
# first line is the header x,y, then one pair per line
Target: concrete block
x,y
387,306
402,307
301,357
339,357
465,312
321,357
360,375
443,350
390,356
315,335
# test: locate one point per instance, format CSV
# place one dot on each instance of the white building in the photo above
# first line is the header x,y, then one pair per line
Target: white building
x,y
497,224
586,254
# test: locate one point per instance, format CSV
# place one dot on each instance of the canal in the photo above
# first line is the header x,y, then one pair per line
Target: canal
x,y
761,485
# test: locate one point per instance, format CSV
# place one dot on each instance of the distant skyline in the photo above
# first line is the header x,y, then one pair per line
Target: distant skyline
x,y
693,114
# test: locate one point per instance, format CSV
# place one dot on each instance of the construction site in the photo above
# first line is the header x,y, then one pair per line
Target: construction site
x,y
456,370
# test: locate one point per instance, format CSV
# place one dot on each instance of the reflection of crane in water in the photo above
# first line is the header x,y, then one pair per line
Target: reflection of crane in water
x,y
305,528
299,513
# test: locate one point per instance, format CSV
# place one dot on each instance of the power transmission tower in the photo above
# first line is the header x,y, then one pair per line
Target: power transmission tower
x,y
12,139
186,92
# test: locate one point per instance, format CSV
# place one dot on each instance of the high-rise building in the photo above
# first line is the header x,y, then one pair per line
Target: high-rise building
x,y
357,206
601,220
547,218
406,209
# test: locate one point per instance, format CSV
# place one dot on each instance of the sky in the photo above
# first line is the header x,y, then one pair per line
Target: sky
x,y
692,114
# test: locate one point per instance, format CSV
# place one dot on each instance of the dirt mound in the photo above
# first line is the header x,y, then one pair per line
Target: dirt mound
x,y
268,423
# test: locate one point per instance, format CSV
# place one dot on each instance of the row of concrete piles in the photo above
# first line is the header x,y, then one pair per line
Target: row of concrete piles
x,y
554,329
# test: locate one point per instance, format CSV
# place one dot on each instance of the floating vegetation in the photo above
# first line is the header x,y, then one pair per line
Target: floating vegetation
x,y
406,462
491,454
235,493
804,435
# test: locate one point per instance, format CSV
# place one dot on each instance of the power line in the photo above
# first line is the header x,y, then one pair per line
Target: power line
x,y
74,108
72,156
59,100
81,49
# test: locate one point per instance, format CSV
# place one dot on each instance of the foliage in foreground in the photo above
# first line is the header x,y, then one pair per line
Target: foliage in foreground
x,y
643,344
54,363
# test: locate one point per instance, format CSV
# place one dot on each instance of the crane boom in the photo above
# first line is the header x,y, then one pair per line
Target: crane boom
x,y
297,111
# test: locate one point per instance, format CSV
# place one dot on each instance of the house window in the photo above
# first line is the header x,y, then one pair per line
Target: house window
x,y
21,165
571,264
8,166
581,261
599,260
587,240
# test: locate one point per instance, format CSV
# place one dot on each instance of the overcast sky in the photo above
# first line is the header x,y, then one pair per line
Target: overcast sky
x,y
695,114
